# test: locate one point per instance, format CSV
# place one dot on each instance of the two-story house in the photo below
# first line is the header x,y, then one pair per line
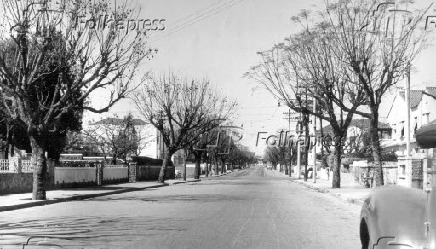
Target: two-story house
x,y
422,111
357,127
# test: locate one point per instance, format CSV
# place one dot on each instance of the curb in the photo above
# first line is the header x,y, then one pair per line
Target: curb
x,y
84,196
175,183
326,191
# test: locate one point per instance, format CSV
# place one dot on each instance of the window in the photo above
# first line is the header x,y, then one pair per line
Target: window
x,y
402,129
425,118
402,171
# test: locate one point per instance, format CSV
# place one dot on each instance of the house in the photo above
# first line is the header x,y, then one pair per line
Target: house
x,y
143,132
356,128
178,158
422,111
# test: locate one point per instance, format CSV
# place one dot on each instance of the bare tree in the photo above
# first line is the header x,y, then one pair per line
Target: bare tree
x,y
271,154
241,156
379,41
200,147
181,109
343,62
42,39
222,150
116,137
307,68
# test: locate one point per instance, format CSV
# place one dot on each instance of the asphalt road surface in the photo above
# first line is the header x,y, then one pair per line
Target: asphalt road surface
x,y
251,208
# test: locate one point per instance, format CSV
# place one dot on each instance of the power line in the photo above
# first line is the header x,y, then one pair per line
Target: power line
x,y
196,20
194,13
257,107
181,26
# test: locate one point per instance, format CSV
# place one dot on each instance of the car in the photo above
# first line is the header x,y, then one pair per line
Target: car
x,y
401,217
396,217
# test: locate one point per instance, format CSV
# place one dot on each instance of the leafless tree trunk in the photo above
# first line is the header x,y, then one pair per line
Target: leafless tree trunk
x,y
166,163
40,173
206,168
49,66
336,180
197,171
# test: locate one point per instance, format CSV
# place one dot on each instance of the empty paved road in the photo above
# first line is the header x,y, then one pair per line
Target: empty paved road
x,y
251,208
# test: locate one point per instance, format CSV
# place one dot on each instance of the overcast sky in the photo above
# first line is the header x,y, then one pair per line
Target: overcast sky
x,y
218,39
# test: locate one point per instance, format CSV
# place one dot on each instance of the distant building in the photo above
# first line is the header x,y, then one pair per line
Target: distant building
x,y
422,111
178,158
147,146
356,128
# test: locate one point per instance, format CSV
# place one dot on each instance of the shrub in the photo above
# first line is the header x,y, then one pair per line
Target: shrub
x,y
78,163
143,160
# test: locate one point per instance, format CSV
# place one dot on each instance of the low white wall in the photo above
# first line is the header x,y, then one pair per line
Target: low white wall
x,y
324,174
74,174
111,173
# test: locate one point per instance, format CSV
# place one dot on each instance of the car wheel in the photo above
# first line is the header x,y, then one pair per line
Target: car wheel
x,y
364,234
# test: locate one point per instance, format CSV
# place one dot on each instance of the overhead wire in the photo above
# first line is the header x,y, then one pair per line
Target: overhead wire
x,y
194,13
197,19
181,25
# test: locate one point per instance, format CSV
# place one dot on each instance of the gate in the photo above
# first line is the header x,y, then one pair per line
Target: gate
x,y
429,172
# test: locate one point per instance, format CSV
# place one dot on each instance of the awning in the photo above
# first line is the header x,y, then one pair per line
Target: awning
x,y
426,135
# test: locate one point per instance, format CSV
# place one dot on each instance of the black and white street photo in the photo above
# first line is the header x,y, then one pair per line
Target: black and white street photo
x,y
218,124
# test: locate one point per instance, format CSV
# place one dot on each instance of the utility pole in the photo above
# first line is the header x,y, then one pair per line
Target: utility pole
x,y
299,132
306,139
314,144
408,159
288,117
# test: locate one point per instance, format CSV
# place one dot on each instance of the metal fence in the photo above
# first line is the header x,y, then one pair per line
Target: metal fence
x,y
4,165
26,166
12,165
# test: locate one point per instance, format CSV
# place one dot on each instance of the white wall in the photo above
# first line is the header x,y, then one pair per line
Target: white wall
x,y
70,175
115,173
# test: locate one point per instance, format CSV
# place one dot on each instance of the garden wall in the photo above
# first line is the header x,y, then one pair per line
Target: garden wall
x,y
115,174
75,176
14,183
151,172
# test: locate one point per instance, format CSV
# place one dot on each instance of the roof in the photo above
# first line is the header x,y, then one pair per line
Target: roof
x,y
431,91
119,121
415,97
360,123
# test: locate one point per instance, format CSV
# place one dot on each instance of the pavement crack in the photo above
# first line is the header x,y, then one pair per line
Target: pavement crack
x,y
245,224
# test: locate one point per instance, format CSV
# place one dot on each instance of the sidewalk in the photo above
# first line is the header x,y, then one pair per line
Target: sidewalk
x,y
350,193
19,201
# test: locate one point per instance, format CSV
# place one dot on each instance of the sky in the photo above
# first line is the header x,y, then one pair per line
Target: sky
x,y
218,39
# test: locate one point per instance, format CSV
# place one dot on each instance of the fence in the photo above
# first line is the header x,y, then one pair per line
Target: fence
x,y
15,165
81,173
15,174
364,171
26,166
4,165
